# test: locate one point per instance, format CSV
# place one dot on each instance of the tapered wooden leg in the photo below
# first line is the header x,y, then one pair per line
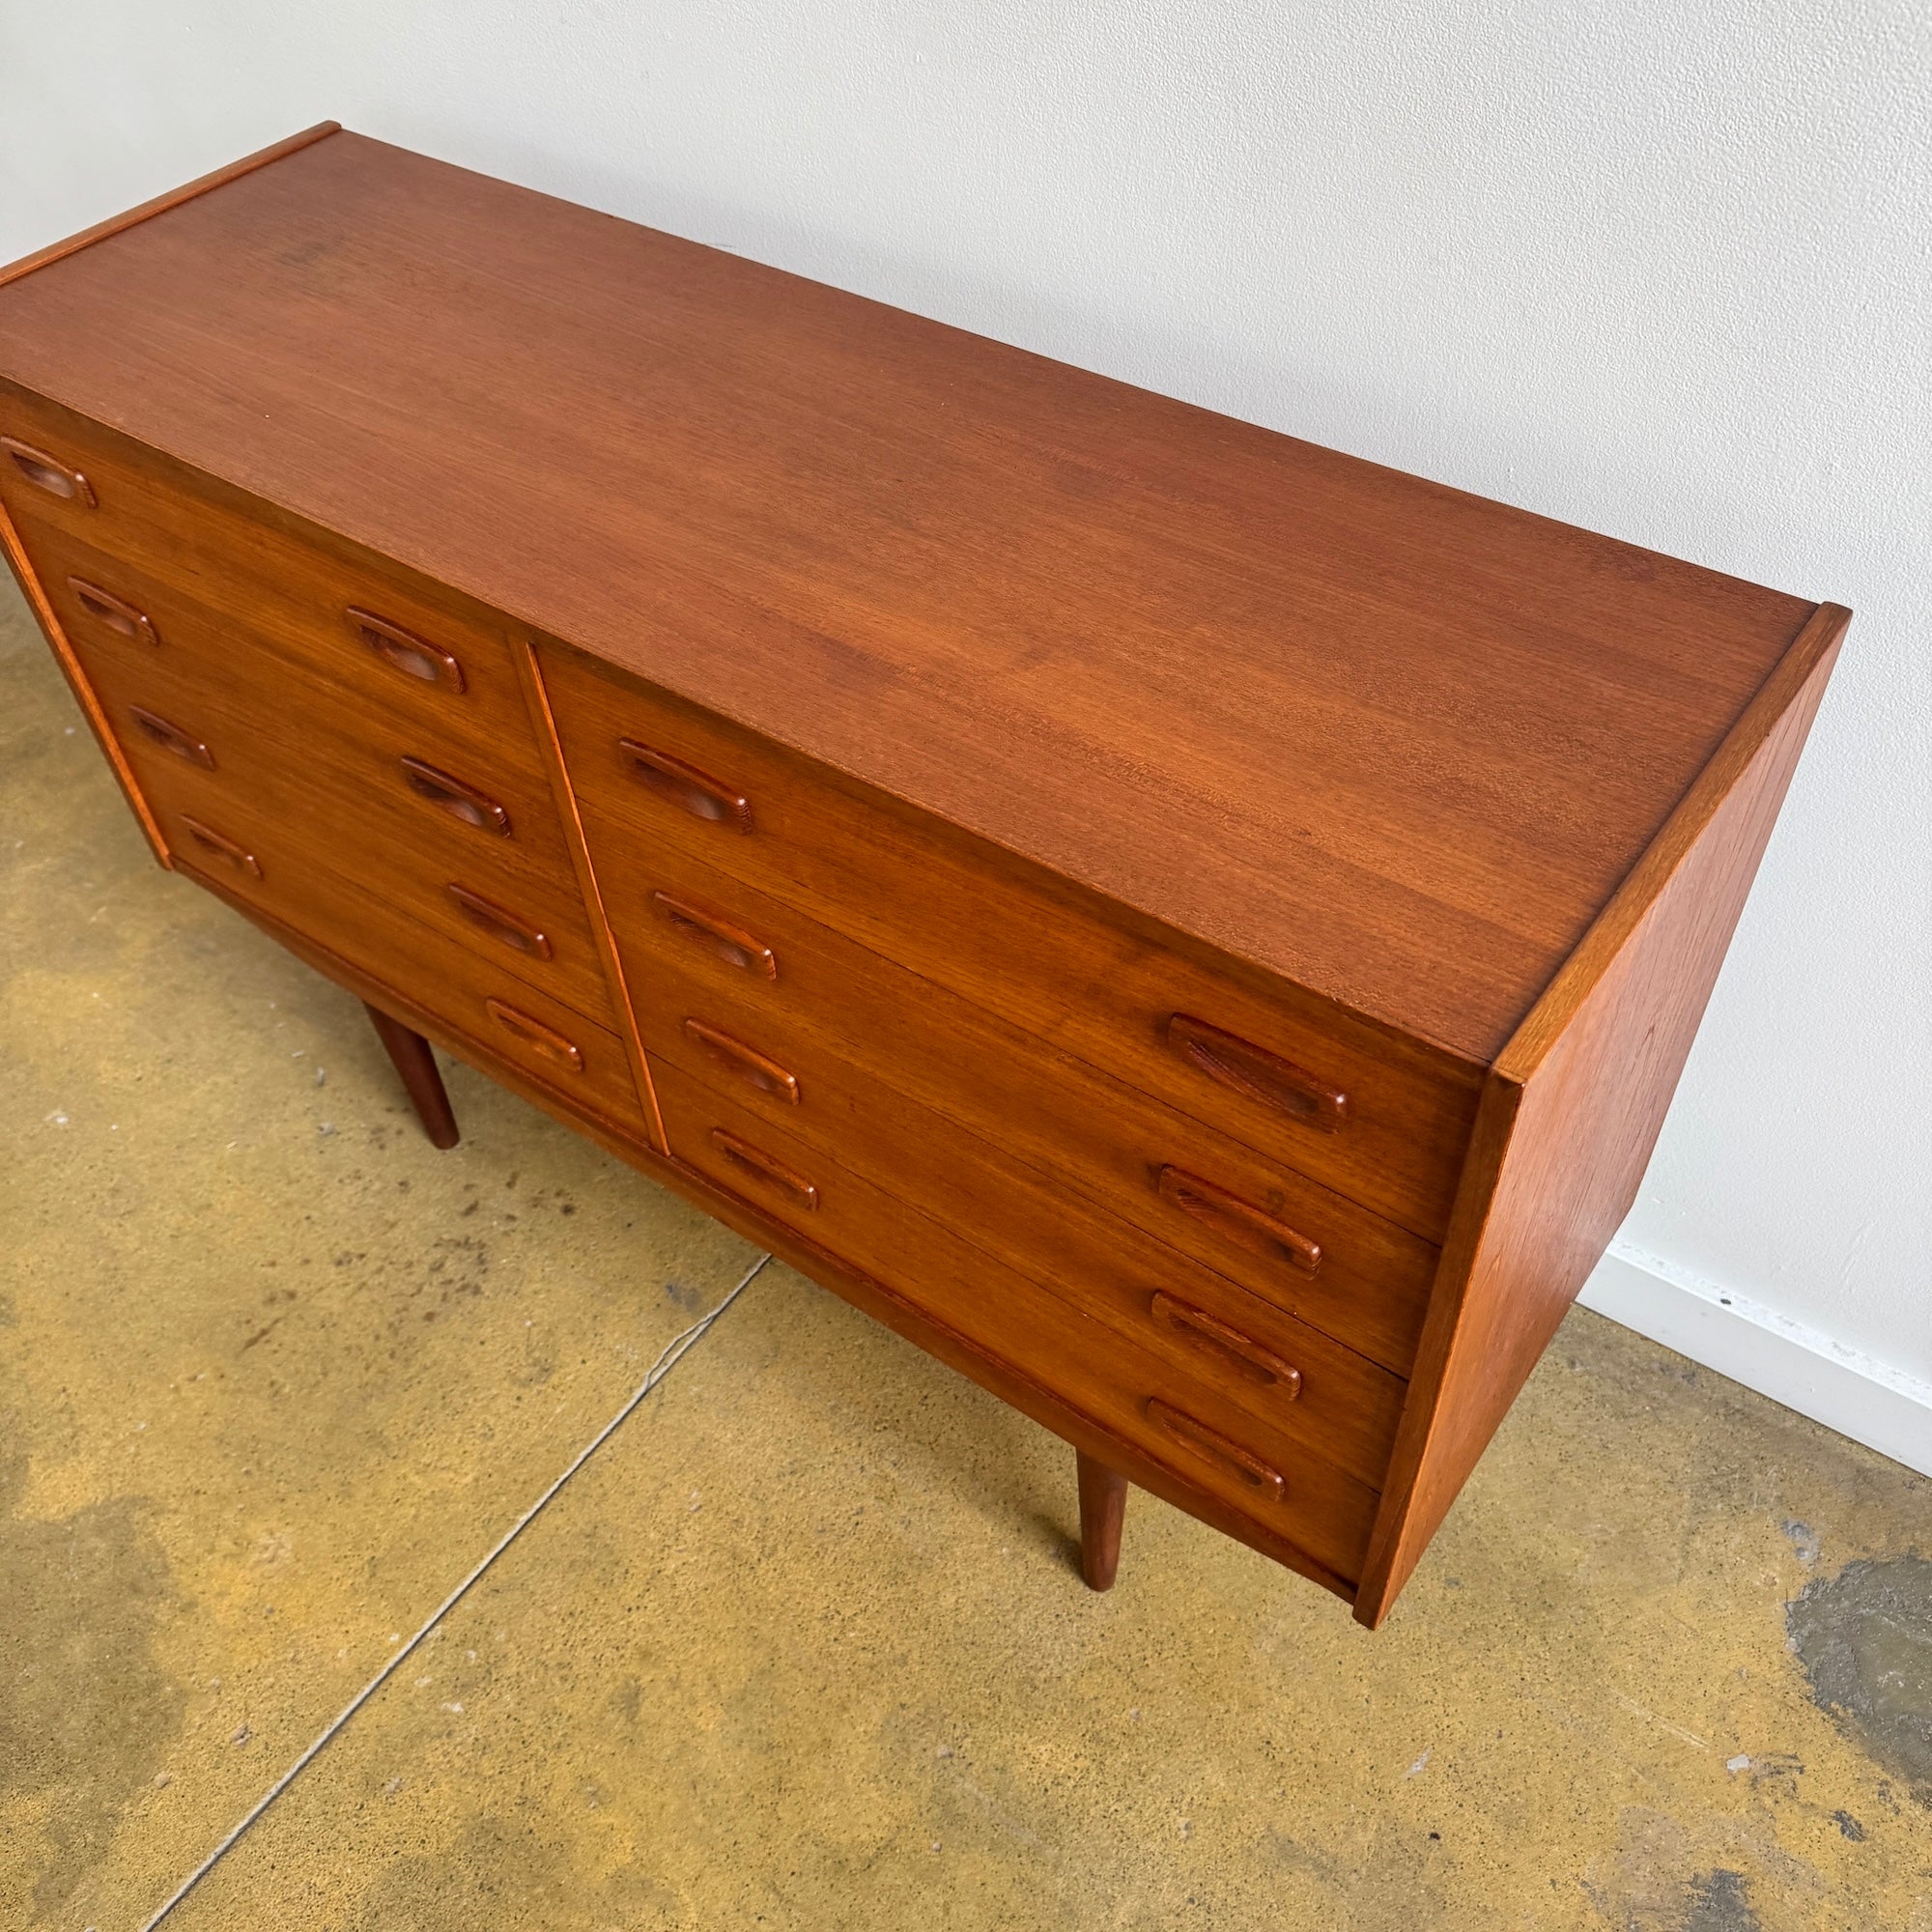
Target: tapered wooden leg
x,y
415,1060
1103,1507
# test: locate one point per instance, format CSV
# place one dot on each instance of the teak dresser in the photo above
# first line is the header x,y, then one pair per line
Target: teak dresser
x,y
1197,931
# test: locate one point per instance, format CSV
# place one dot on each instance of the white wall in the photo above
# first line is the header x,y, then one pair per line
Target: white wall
x,y
1658,267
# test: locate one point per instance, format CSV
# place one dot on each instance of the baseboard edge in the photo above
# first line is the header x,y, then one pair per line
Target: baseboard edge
x,y
1843,1388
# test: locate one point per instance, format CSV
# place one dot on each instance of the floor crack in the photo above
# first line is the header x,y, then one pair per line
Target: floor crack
x,y
675,1352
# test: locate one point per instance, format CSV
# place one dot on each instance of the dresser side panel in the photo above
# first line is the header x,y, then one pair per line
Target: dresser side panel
x,y
1561,1144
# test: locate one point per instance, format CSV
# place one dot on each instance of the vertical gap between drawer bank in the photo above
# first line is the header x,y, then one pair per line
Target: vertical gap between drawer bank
x,y
529,674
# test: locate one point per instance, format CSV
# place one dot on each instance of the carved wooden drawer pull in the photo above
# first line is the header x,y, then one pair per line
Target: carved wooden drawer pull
x,y
1259,1074
746,1062
222,847
104,608
685,787
171,738
1216,1449
47,473
536,1035
1220,1338
503,927
731,943
405,652
765,1167
1239,1221
453,796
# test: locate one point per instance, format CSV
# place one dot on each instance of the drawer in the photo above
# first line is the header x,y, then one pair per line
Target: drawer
x,y
271,864
304,758
160,628
697,944
352,623
1379,1119
1326,1398
1135,1395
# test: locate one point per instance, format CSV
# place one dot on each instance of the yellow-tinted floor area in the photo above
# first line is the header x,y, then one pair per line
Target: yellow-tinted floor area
x,y
799,1643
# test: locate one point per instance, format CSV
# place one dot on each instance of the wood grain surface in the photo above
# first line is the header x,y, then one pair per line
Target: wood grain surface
x,y
1086,1363
1393,742
283,869
1570,1115
1054,962
304,598
1103,1512
848,1022
1328,1396
305,754
415,1061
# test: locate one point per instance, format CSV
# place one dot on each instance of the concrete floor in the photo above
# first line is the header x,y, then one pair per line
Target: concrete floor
x,y
800,1644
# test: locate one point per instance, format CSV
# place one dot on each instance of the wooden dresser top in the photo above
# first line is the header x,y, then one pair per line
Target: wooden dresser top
x,y
1396,743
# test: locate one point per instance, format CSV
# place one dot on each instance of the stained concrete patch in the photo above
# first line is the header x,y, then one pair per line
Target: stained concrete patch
x,y
1712,1873
88,1708
1721,1902
502,1870
1865,1638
